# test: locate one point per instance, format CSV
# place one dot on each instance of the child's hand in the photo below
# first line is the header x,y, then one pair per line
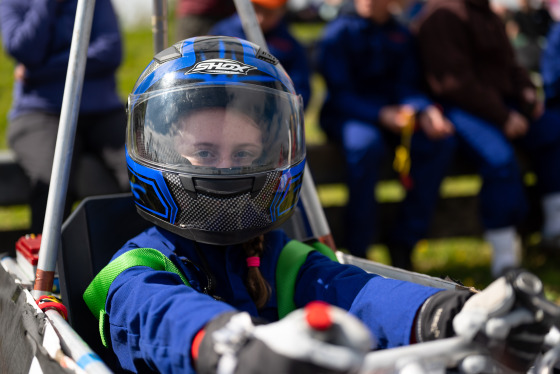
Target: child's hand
x,y
513,331
318,338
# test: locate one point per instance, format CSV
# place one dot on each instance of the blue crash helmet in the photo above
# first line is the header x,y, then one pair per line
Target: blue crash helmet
x,y
215,141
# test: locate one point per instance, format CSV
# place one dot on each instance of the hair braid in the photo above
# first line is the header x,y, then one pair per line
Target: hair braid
x,y
258,287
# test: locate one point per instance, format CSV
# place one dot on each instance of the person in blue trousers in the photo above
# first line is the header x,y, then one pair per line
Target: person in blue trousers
x,y
373,77
37,34
216,154
280,41
496,110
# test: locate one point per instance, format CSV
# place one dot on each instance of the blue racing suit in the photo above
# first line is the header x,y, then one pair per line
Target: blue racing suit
x,y
367,66
153,315
281,45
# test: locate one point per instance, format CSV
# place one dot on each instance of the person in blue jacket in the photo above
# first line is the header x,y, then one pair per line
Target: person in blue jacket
x,y
38,35
216,153
281,43
550,71
373,80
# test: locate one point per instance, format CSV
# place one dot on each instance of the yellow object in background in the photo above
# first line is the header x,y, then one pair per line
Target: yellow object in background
x,y
402,161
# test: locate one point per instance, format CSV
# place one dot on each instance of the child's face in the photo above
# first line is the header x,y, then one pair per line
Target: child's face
x,y
216,137
268,18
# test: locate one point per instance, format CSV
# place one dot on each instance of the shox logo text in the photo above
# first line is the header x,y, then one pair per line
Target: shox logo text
x,y
221,66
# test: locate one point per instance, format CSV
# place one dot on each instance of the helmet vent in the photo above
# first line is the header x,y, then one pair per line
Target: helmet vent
x,y
167,54
223,213
265,56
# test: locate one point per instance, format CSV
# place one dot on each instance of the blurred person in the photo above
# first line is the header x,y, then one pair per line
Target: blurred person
x,y
281,43
196,17
37,34
528,27
472,71
372,75
549,68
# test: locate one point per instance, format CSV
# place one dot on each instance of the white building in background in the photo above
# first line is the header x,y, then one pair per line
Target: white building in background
x,y
137,13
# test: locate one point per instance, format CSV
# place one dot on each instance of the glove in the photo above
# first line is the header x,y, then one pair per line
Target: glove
x,y
435,318
318,339
496,317
506,319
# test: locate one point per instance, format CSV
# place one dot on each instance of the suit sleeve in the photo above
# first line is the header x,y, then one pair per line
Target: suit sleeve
x,y
104,53
387,306
27,32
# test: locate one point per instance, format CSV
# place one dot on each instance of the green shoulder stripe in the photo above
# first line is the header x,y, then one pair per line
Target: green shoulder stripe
x,y
291,259
95,295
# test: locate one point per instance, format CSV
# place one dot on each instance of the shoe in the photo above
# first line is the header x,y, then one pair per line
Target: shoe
x,y
505,259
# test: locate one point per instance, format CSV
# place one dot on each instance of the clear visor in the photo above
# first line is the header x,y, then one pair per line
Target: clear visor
x,y
216,129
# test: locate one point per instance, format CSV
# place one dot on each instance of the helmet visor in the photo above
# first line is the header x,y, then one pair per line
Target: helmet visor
x,y
216,129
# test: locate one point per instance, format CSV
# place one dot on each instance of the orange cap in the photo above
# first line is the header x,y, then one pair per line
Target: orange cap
x,y
271,4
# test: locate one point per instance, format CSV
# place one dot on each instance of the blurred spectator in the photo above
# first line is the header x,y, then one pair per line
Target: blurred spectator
x,y
527,28
38,35
550,66
196,17
371,70
291,54
471,68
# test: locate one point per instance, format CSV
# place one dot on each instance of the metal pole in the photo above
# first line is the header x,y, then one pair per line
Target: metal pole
x,y
309,197
437,355
250,23
64,146
79,351
159,25
397,273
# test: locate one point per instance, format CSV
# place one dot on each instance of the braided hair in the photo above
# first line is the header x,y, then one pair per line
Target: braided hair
x,y
257,286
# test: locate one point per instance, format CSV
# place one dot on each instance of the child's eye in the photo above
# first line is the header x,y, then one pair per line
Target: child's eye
x,y
203,154
243,154
205,157
243,157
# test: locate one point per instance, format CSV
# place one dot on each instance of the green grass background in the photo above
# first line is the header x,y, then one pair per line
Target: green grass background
x,y
464,259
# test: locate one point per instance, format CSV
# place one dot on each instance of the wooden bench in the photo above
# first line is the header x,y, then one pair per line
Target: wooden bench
x,y
15,188
455,216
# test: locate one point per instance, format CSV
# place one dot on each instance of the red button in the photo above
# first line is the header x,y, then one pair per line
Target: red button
x,y
318,316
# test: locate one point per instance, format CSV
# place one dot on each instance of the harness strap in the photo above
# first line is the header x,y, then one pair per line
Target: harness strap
x,y
96,293
291,259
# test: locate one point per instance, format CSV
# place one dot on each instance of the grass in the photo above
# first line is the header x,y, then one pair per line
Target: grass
x,y
464,259
6,83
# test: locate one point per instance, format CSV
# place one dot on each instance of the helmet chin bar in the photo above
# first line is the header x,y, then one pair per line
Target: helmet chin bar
x,y
213,237
223,185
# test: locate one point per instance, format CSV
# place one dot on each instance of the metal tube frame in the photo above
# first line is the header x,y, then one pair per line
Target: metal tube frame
x,y
60,175
159,25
